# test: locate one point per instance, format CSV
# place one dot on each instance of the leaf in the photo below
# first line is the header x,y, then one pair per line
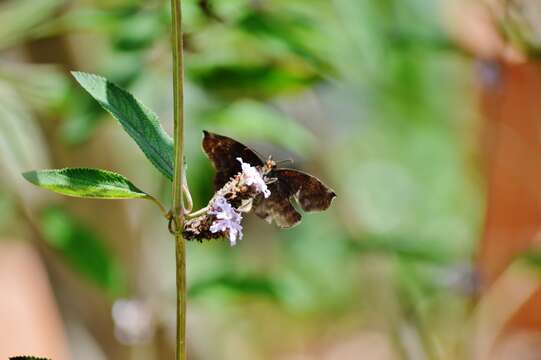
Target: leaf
x,y
83,113
252,80
86,183
291,31
404,248
82,248
240,284
136,119
137,32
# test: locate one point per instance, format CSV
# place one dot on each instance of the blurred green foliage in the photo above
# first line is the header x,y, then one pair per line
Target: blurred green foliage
x,y
371,96
82,248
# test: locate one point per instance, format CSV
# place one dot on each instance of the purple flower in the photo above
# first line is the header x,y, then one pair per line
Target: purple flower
x,y
252,177
227,220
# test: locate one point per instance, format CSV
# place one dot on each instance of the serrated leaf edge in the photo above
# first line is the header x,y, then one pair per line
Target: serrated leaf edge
x,y
166,168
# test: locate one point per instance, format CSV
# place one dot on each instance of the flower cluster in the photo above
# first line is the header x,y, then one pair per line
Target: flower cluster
x,y
223,215
252,177
227,220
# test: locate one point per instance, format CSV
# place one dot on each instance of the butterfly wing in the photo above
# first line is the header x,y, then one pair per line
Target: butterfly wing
x,y
277,206
223,153
309,191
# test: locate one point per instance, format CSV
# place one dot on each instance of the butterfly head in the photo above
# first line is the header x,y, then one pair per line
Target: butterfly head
x,y
268,166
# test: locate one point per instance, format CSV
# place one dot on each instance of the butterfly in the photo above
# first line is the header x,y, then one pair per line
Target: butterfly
x,y
284,184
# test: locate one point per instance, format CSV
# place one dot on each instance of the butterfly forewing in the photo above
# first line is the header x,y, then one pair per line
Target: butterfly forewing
x,y
223,152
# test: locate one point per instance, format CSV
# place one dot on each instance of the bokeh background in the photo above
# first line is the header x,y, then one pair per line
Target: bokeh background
x,y
423,115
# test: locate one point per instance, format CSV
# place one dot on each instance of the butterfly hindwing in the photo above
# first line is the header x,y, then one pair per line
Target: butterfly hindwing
x,y
277,206
223,152
310,192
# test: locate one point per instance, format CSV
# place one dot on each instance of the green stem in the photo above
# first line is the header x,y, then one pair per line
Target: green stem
x,y
187,197
159,204
198,212
178,176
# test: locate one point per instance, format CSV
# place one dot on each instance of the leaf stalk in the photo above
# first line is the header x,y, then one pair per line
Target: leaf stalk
x,y
198,212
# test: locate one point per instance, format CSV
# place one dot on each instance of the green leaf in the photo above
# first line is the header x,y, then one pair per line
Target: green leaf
x,y
83,249
252,80
139,31
403,247
138,121
291,31
240,284
86,183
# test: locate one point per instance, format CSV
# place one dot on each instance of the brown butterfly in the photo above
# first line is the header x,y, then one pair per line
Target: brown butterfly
x,y
284,184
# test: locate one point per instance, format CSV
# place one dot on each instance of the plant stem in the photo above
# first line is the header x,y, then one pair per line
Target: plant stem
x,y
178,176
197,213
159,204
